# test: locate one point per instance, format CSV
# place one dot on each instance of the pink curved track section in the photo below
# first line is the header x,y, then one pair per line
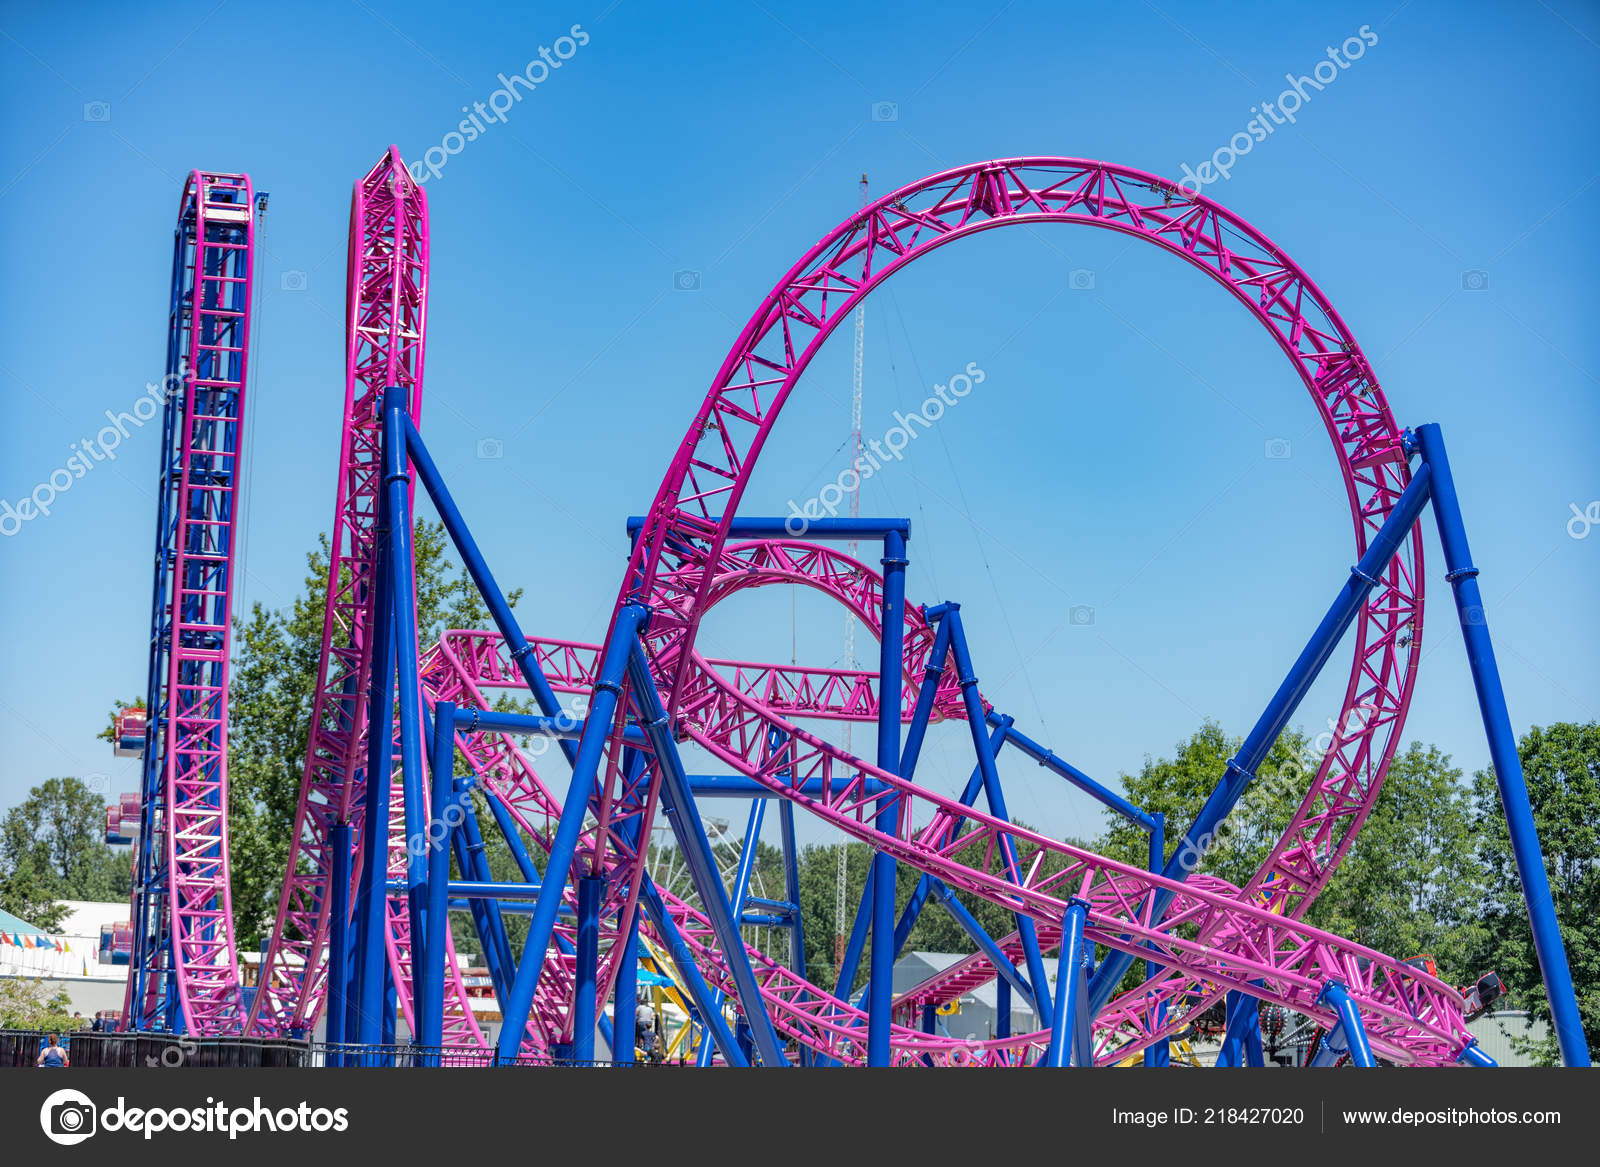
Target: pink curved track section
x,y
386,329
674,565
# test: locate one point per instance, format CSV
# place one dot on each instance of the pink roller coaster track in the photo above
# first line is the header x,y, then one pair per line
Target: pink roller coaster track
x,y
385,345
181,903
1211,938
679,556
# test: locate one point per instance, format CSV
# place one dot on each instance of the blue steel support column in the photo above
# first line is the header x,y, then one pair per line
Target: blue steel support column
x,y
591,893
891,658
1159,1054
1355,1034
741,889
791,892
1241,1040
473,859
1472,1055
857,941
1241,770
678,804
371,964
791,887
1002,1006
1503,752
1026,931
747,856
397,488
1069,976
585,776
338,933
428,959
625,995
390,1008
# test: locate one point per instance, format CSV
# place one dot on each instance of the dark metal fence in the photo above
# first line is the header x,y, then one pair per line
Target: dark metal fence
x,y
170,1051
86,1048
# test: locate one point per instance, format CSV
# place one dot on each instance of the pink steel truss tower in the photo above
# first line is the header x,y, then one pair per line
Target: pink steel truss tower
x,y
184,973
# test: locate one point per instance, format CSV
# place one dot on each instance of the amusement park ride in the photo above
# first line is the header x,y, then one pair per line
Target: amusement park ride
x,y
362,933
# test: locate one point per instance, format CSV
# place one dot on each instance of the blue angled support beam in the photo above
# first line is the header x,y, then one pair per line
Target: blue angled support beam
x,y
1241,770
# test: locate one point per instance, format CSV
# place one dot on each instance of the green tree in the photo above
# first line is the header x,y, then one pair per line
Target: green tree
x,y
53,842
1562,766
27,1003
1178,787
28,897
1413,882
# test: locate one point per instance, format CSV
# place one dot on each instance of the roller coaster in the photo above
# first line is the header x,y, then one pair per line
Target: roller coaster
x,y
410,744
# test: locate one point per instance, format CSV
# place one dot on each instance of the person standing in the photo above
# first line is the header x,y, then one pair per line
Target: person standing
x,y
53,1056
644,1025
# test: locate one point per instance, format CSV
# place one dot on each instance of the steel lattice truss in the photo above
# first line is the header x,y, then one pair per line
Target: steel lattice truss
x,y
385,345
676,559
1203,936
184,973
1413,1018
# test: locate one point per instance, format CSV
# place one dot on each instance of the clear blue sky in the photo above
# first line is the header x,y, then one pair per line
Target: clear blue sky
x,y
1098,464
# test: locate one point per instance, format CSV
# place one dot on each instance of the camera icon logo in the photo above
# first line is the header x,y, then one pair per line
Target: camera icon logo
x,y
68,1117
97,111
490,448
1474,280
886,111
1080,616
1277,448
1081,279
293,280
686,280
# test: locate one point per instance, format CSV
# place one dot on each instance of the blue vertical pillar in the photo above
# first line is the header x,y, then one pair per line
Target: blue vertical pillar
x,y
397,491
1241,1038
429,965
791,893
891,658
338,934
1069,982
625,994
1160,1053
591,893
371,962
1002,1007
1463,577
